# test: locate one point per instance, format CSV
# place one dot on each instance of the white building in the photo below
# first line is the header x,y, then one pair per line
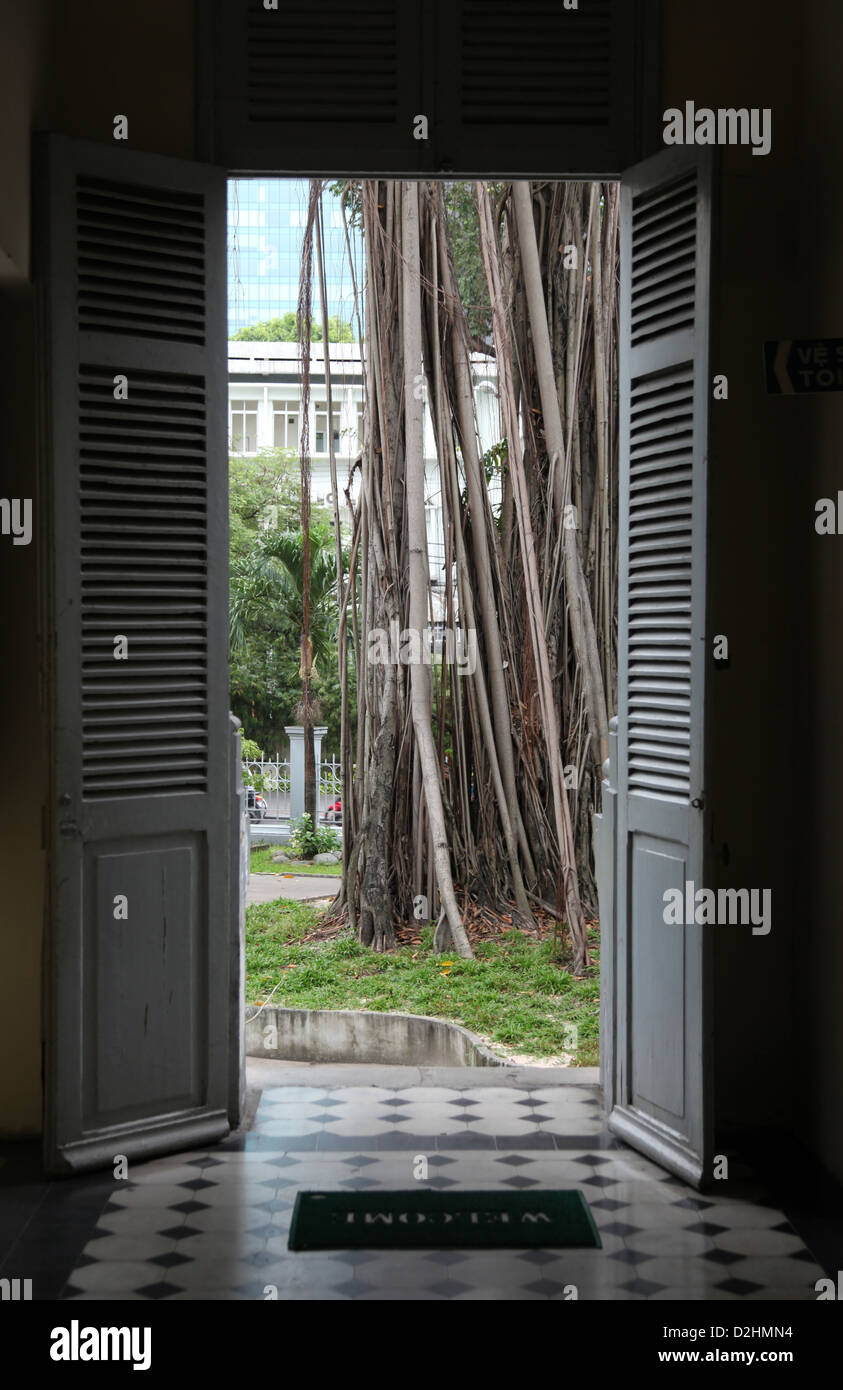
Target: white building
x,y
264,412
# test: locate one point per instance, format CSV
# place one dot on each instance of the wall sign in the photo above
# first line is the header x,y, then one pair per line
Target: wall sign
x,y
800,366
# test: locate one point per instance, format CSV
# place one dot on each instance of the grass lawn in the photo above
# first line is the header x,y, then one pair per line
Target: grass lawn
x,y
512,992
260,862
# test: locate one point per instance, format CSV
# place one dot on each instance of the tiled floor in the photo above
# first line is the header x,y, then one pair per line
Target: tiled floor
x,y
214,1224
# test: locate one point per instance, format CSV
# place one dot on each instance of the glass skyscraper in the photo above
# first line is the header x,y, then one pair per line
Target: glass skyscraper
x,y
266,219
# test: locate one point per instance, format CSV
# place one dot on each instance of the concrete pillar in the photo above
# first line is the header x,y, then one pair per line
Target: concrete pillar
x,y
295,733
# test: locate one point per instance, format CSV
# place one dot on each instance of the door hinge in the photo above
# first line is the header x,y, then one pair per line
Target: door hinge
x,y
698,803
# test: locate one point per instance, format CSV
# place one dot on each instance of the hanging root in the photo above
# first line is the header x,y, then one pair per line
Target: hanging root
x,y
442,935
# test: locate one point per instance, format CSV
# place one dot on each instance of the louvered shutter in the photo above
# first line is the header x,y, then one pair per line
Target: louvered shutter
x,y
661,1101
659,589
143,915
321,86
534,88
315,86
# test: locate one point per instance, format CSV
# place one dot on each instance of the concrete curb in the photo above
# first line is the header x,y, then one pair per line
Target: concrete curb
x,y
351,1035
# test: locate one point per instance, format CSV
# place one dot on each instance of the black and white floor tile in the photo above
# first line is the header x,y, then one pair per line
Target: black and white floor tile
x,y
214,1224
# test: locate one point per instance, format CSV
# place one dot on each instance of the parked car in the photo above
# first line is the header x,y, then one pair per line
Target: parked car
x,y
334,813
255,804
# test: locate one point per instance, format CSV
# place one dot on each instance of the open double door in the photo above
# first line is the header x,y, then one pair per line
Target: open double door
x,y
143,979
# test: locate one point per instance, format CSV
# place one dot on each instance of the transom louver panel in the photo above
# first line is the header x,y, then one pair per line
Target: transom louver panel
x,y
143,568
141,261
566,52
664,246
660,582
322,60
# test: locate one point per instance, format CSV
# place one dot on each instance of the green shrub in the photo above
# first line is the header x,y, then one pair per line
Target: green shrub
x,y
327,840
305,841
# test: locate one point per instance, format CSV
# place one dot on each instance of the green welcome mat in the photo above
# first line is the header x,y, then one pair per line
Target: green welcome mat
x,y
429,1220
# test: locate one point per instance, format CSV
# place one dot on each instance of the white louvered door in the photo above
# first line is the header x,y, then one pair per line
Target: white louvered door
x,y
141,1002
662,1102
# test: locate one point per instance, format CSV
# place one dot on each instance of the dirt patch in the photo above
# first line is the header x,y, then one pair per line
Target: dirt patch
x,y
483,924
526,1059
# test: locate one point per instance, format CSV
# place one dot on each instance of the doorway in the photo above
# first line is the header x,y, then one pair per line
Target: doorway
x,y
132,812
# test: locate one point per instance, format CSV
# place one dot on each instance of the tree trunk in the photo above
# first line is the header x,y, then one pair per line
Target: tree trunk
x,y
582,621
342,649
419,573
564,834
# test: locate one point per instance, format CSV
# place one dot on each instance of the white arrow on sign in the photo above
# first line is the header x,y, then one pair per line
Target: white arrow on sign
x,y
780,369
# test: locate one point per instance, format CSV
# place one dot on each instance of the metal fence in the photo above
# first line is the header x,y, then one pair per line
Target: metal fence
x,y
271,777
330,784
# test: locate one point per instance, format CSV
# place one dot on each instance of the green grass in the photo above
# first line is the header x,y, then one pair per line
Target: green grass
x,y
260,862
512,992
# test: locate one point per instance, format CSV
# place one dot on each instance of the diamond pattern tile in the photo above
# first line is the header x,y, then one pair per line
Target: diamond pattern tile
x,y
364,1138
643,1288
161,1289
722,1257
740,1287
180,1232
546,1288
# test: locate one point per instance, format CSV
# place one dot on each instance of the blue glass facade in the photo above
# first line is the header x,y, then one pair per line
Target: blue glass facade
x,y
265,226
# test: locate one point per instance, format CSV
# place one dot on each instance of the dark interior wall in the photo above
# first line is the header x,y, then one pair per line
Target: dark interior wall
x,y
68,68
750,518
22,738
772,754
23,86
814,777
134,59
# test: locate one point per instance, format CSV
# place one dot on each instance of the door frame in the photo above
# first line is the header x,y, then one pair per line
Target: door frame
x,y
615,1077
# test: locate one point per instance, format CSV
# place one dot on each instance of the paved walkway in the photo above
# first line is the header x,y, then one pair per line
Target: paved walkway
x,y
213,1223
267,888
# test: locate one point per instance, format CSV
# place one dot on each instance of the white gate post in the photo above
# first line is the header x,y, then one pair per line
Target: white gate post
x,y
295,733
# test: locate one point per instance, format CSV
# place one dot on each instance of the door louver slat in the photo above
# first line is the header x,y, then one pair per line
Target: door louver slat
x,y
309,47
143,565
659,598
567,54
663,260
141,261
